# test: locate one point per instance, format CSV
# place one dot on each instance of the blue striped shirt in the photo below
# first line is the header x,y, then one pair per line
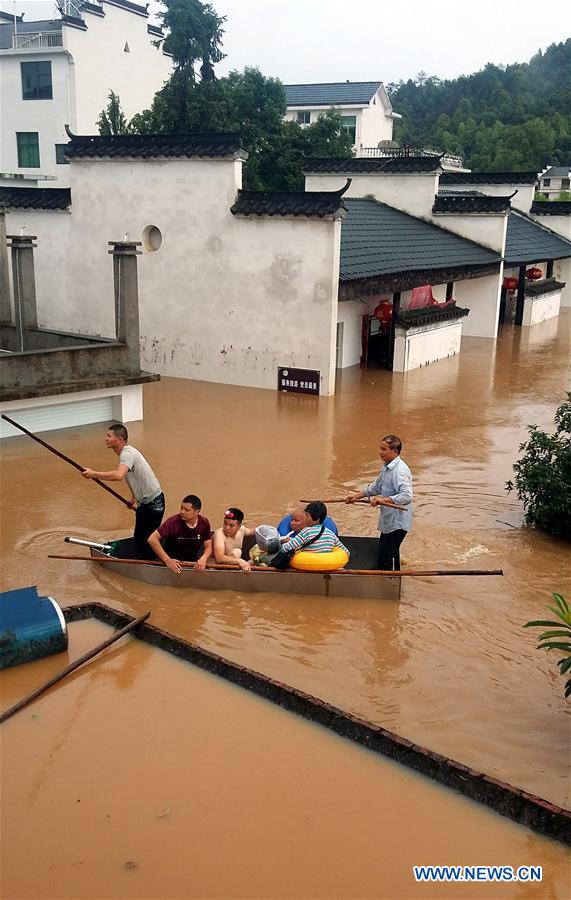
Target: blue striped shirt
x,y
394,481
328,541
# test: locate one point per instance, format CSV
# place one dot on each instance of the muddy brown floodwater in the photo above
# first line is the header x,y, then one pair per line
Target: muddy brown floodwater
x,y
450,667
213,792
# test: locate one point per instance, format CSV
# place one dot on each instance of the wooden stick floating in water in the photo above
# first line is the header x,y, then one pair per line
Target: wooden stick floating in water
x,y
67,459
372,572
25,701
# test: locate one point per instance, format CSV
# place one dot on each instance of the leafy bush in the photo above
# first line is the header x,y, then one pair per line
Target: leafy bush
x,y
547,639
543,475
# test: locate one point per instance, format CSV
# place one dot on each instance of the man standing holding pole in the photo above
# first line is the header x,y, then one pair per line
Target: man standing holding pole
x,y
393,485
147,498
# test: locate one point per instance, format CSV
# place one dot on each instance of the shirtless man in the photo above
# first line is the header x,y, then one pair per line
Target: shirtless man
x,y
229,539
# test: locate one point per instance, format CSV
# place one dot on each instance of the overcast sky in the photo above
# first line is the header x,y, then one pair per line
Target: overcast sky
x,y
369,40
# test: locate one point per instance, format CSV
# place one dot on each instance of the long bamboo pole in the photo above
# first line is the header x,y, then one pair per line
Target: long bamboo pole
x,y
361,500
66,459
25,701
419,573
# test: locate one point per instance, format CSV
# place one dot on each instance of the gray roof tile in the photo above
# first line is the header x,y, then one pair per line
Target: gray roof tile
x,y
384,165
471,202
552,208
377,239
149,146
340,93
488,178
35,198
528,242
289,203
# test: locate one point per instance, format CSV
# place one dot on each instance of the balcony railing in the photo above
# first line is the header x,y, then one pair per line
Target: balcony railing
x,y
448,159
37,40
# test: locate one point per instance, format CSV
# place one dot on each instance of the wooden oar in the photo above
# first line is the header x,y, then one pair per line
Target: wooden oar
x,y
361,500
67,459
72,666
154,562
373,572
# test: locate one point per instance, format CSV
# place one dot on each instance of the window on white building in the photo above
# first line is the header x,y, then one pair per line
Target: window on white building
x,y
304,117
60,155
349,124
565,182
28,149
546,182
36,80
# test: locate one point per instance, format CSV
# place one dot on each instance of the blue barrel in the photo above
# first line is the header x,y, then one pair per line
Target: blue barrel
x,y
31,627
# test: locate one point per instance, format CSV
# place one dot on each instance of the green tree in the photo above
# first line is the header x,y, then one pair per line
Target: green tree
x,y
193,33
552,639
112,119
543,475
254,105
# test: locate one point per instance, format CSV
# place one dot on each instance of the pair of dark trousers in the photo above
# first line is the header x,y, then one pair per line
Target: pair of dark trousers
x,y
388,553
148,517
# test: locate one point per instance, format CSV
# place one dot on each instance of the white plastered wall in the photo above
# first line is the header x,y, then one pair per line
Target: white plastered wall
x,y
102,65
225,299
46,117
350,313
561,267
489,231
51,263
482,297
412,194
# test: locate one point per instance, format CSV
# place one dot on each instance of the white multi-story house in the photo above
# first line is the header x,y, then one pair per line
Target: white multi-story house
x,y
554,181
59,72
364,106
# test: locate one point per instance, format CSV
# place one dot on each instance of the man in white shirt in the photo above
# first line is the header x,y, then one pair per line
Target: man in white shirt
x,y
392,486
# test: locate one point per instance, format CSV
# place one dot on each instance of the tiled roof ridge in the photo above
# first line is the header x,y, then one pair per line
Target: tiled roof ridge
x,y
489,177
148,146
423,164
130,6
35,198
329,83
551,207
472,204
432,224
289,203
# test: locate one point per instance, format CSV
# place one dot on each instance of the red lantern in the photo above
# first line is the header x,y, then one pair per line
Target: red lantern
x,y
534,274
510,283
384,313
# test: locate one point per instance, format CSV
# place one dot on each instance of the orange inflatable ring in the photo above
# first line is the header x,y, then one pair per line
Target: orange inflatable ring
x,y
306,561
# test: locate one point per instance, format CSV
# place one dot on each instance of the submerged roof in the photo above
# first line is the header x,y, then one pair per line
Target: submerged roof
x,y
488,178
149,146
382,165
35,198
342,93
323,204
377,239
528,241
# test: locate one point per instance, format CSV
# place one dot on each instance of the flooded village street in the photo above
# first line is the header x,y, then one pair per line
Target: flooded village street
x,y
449,667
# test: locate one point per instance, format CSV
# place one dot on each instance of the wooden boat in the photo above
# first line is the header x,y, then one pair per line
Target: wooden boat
x,y
365,583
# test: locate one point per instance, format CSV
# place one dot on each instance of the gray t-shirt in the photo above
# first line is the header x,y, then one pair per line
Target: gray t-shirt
x,y
141,479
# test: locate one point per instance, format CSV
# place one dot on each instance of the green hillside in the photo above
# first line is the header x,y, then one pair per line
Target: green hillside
x,y
503,118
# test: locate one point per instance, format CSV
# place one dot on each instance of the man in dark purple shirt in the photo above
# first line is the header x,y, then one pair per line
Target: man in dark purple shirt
x,y
186,537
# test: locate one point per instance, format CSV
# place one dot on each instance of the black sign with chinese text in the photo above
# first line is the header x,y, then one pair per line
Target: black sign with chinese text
x,y
298,381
